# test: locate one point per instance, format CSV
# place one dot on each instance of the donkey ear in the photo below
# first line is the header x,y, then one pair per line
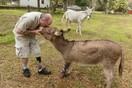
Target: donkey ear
x,y
92,8
67,30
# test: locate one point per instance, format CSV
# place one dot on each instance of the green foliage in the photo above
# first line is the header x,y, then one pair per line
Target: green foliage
x,y
8,2
82,2
118,5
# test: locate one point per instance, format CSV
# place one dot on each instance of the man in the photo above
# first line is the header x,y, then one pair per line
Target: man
x,y
25,30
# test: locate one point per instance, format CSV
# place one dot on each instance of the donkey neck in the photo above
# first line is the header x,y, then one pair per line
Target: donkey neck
x,y
62,44
85,14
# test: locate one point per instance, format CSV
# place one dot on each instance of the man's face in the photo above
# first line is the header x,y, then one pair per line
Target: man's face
x,y
45,23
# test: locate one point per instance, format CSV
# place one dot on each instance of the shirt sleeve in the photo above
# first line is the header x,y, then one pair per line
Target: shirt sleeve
x,y
25,24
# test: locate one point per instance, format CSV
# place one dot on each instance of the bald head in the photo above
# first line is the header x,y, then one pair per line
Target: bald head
x,y
46,19
46,16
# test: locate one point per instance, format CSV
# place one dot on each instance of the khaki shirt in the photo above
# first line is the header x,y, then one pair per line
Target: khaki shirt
x,y
29,21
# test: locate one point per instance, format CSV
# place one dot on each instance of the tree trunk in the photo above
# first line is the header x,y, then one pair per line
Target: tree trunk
x,y
65,4
54,9
28,8
94,3
107,7
38,5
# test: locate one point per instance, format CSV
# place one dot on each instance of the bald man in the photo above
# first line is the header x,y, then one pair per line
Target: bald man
x,y
25,30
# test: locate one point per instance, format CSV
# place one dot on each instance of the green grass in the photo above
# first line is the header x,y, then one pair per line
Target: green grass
x,y
7,39
117,28
12,12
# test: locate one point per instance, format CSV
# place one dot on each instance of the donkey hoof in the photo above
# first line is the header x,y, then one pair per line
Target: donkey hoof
x,y
62,75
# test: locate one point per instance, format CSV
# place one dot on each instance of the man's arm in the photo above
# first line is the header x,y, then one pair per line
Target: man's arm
x,y
24,25
29,32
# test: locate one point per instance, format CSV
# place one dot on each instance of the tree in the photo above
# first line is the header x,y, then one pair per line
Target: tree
x,y
82,2
104,5
65,3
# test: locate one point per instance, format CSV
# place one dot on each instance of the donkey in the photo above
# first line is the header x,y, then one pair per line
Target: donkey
x,y
77,17
105,52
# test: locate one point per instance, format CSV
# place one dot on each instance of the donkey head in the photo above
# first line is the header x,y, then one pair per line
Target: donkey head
x,y
50,33
89,12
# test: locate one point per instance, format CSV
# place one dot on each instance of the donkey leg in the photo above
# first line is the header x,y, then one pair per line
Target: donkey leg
x,y
109,74
80,28
77,30
66,24
69,22
64,71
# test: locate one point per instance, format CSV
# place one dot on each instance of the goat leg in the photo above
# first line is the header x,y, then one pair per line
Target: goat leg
x,y
64,71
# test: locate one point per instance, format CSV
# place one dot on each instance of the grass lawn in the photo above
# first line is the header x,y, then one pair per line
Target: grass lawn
x,y
113,27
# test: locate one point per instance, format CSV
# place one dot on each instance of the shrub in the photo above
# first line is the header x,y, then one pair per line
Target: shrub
x,y
119,5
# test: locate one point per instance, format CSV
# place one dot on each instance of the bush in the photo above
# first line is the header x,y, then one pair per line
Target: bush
x,y
119,5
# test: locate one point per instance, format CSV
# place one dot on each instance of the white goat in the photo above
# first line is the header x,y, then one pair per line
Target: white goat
x,y
76,17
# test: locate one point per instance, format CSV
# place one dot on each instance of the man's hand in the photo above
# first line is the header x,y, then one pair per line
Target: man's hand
x,y
38,32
